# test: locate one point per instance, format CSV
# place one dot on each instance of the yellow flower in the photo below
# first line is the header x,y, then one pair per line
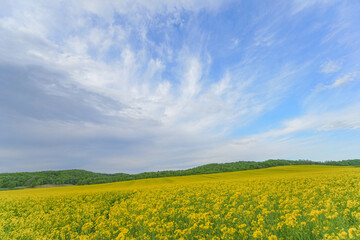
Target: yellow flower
x,y
257,234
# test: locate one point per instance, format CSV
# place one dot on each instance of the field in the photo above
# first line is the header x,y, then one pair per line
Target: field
x,y
291,202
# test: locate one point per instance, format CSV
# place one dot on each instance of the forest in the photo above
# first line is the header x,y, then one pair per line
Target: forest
x,y
82,177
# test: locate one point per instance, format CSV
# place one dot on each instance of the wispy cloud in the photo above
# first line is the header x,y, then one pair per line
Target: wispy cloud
x,y
146,85
342,80
300,5
330,66
346,118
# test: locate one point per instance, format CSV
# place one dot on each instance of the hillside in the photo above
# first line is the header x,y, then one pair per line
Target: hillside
x,y
82,177
286,202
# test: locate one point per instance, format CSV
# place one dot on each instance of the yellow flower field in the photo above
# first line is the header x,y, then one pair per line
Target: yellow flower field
x,y
292,202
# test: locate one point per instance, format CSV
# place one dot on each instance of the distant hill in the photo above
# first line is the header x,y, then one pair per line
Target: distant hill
x,y
82,177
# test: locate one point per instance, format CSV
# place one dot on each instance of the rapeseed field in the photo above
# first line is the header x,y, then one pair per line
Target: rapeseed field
x,y
292,202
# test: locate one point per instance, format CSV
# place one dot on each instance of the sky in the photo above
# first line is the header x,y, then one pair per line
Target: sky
x,y
133,86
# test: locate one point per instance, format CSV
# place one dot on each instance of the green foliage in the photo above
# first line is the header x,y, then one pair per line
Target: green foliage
x,y
82,177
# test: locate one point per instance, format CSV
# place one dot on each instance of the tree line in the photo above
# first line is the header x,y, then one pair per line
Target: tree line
x,y
82,177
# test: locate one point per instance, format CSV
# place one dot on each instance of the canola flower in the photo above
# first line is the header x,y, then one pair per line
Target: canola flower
x,y
292,202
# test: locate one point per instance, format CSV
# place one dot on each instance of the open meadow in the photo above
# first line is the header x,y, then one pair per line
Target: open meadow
x,y
290,202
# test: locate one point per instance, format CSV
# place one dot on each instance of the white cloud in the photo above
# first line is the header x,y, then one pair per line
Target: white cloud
x,y
283,143
101,84
234,43
345,118
264,38
172,112
300,5
190,83
330,66
343,80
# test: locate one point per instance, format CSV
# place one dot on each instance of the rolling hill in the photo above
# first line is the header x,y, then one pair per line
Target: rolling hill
x,y
82,177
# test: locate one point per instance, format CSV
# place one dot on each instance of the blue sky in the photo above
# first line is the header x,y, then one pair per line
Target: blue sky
x,y
132,86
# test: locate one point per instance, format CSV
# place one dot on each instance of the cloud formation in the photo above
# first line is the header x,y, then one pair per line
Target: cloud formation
x,y
132,86
330,66
343,80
